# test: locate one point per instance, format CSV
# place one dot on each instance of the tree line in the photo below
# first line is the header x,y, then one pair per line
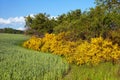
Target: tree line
x,y
102,20
11,30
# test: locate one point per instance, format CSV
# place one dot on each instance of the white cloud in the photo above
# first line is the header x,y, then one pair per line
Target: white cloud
x,y
51,17
12,20
31,15
4,21
16,22
21,28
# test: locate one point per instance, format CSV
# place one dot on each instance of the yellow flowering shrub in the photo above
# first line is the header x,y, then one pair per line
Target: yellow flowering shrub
x,y
57,45
63,48
34,43
48,40
98,50
81,52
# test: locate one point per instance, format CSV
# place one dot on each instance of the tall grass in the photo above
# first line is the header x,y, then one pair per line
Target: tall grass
x,y
102,71
18,63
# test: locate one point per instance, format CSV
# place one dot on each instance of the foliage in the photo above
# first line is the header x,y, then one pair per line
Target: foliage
x,y
51,43
80,52
97,21
10,30
36,42
18,63
115,36
40,24
98,50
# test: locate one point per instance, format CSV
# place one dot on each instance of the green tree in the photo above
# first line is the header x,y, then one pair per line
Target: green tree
x,y
40,23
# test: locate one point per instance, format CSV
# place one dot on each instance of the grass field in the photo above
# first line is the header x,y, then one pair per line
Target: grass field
x,y
18,63
103,71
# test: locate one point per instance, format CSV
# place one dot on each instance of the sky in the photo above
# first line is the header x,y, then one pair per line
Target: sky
x,y
12,12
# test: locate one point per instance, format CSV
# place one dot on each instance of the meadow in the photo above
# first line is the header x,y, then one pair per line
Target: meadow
x,y
19,63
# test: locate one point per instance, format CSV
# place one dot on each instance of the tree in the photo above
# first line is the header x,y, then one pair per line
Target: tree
x,y
102,20
40,23
109,5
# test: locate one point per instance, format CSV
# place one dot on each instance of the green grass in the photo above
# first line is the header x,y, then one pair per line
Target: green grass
x,y
18,63
102,71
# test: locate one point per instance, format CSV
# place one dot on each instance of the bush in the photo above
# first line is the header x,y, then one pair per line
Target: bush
x,y
80,52
34,43
115,36
98,50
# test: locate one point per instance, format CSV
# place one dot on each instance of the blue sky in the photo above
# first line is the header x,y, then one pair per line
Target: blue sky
x,y
13,11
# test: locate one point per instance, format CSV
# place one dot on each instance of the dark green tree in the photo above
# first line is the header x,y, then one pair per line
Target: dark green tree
x,y
40,24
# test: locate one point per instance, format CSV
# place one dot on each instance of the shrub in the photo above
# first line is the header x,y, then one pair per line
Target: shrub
x,y
81,52
98,50
57,44
34,43
115,36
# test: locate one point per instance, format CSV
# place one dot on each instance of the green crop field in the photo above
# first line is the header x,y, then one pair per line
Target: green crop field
x,y
18,63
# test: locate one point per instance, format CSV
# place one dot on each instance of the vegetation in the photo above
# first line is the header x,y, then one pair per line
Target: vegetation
x,y
83,38
102,20
39,24
93,52
89,40
10,30
18,63
103,71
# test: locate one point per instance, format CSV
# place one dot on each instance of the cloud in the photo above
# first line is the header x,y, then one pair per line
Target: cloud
x,y
16,22
12,20
4,21
51,17
21,28
31,15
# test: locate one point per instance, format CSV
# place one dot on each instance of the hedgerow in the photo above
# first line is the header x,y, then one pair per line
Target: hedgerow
x,y
96,51
80,52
